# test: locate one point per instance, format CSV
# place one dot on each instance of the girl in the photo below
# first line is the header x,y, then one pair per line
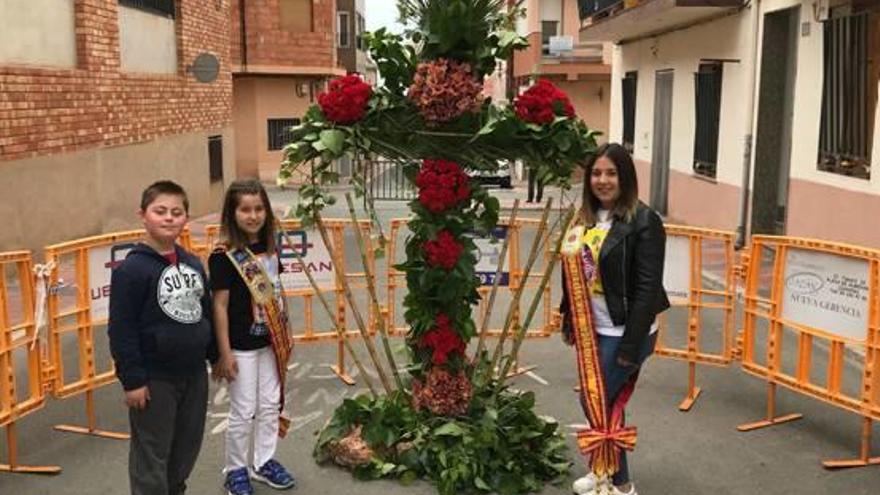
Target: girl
x,y
251,328
620,252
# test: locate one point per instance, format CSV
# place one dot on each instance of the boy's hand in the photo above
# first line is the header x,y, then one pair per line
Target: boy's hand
x,y
137,398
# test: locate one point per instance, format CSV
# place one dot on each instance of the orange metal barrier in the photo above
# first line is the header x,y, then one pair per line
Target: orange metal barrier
x,y
804,298
302,297
512,277
79,311
19,342
699,275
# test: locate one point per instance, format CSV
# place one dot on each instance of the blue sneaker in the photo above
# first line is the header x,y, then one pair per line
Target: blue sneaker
x,y
238,482
273,474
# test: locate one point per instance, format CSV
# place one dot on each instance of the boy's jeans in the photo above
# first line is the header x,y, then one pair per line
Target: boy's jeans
x,y
166,436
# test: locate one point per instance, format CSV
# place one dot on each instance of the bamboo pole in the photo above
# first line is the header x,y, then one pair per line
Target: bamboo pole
x,y
533,255
359,320
339,329
371,288
521,333
501,258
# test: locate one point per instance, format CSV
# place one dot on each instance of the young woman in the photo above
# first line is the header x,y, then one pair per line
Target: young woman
x,y
616,268
251,329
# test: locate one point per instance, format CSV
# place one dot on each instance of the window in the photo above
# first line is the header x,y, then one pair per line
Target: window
x,y
215,158
343,28
708,99
548,30
161,7
279,132
849,92
630,82
361,29
295,15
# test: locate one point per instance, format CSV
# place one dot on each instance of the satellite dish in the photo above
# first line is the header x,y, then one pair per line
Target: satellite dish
x,y
205,68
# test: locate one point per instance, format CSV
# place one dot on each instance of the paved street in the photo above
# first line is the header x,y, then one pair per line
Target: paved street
x,y
678,453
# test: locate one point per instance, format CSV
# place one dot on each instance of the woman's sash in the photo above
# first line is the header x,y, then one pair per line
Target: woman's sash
x,y
262,290
606,436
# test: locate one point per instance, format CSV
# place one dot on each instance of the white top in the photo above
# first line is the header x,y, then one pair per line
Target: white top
x,y
593,239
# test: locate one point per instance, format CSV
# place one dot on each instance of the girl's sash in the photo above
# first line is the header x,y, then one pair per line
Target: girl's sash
x,y
606,436
262,290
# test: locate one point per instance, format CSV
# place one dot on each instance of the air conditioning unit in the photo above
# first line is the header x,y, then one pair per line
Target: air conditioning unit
x,y
561,45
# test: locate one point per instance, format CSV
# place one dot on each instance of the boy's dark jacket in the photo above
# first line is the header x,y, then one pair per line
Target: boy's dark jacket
x,y
160,317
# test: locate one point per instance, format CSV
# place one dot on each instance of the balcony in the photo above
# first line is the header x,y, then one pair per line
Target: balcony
x,y
619,21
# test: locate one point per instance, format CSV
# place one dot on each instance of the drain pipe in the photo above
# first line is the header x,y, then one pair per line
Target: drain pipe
x,y
748,147
242,14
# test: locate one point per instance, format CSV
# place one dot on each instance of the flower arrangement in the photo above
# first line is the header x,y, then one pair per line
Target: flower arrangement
x,y
444,89
442,185
448,420
542,103
443,251
444,393
346,99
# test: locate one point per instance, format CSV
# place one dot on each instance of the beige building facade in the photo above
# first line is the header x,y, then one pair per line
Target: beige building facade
x,y
754,116
580,68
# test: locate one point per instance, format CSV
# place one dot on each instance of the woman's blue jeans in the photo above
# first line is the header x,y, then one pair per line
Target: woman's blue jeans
x,y
616,377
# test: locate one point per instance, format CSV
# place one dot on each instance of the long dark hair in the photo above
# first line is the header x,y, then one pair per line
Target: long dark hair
x,y
627,181
229,229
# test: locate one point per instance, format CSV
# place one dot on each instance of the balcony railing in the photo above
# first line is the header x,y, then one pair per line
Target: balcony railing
x,y
618,20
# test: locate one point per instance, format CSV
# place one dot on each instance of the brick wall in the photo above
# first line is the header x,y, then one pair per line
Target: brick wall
x,y
46,111
270,45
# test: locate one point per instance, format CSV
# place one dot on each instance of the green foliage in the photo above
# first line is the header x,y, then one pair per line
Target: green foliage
x,y
478,32
499,446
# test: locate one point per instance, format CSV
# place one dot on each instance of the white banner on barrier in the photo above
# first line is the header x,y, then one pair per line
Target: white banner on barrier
x,y
488,253
827,292
315,255
102,261
677,269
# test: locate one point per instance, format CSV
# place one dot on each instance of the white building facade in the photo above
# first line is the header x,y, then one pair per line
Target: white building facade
x,y
757,116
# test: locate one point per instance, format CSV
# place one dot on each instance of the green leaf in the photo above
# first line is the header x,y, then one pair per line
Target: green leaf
x,y
482,485
333,140
450,429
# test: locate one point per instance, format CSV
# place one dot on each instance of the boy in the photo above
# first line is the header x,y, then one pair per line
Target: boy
x,y
160,336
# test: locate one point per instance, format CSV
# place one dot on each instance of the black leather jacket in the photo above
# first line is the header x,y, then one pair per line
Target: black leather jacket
x,y
631,266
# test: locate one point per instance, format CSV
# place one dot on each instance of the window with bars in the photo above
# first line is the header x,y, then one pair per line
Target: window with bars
x,y
707,82
343,28
851,65
215,158
279,132
630,82
161,7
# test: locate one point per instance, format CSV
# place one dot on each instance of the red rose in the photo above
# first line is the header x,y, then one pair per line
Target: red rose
x,y
443,251
442,339
442,184
541,103
345,102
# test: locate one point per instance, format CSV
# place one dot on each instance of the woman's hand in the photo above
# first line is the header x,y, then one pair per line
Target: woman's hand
x,y
567,332
625,363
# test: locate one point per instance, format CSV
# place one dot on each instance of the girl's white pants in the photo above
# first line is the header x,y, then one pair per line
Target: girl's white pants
x,y
254,398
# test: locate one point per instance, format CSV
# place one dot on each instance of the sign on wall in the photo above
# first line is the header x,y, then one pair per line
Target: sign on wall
x,y
488,257
827,292
315,256
677,269
102,261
